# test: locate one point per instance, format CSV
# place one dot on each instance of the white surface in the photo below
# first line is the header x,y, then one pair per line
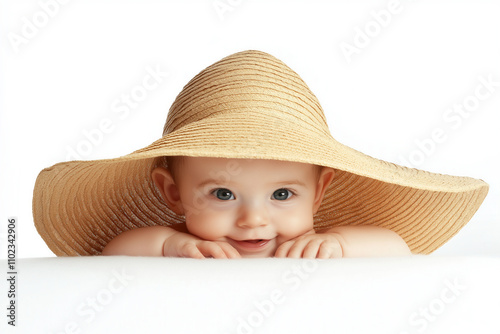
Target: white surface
x,y
169,295
70,75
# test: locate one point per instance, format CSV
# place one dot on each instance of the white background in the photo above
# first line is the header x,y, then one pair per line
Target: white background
x,y
65,65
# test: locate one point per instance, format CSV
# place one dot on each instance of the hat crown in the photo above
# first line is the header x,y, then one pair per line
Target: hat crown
x,y
251,82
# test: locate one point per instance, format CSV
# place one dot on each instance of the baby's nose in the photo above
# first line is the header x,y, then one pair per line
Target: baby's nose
x,y
250,217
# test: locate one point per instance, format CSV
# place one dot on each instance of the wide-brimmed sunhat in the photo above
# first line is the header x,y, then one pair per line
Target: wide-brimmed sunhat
x,y
249,105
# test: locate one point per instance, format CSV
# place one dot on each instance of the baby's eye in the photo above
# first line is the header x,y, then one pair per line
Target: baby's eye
x,y
282,194
223,194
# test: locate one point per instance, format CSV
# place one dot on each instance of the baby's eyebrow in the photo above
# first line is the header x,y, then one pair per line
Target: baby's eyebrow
x,y
215,182
289,182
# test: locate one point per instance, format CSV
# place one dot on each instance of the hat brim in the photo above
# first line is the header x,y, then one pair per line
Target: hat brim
x,y
80,206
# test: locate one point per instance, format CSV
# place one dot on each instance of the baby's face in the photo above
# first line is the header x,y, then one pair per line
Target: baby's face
x,y
254,205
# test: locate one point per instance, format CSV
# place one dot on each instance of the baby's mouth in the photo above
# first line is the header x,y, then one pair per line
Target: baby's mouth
x,y
253,241
252,244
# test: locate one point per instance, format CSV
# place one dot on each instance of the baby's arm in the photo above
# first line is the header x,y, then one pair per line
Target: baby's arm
x,y
165,241
345,241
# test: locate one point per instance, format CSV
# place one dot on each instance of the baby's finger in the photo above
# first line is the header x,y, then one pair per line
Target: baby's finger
x,y
190,250
230,251
330,250
283,249
311,249
297,249
209,248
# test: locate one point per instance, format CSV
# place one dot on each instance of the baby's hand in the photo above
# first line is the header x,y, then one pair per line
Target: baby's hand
x,y
185,245
311,246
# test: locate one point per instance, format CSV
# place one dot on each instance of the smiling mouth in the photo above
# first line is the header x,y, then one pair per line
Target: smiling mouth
x,y
252,244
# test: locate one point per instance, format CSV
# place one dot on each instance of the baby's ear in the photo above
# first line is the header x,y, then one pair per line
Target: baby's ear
x,y
325,178
165,183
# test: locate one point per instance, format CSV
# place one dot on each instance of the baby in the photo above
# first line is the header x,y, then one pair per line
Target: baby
x,y
249,208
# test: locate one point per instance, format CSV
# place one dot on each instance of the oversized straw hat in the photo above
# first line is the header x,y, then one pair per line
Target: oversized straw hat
x,y
248,105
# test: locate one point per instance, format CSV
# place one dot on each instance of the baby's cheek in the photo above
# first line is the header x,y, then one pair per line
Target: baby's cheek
x,y
206,227
295,225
